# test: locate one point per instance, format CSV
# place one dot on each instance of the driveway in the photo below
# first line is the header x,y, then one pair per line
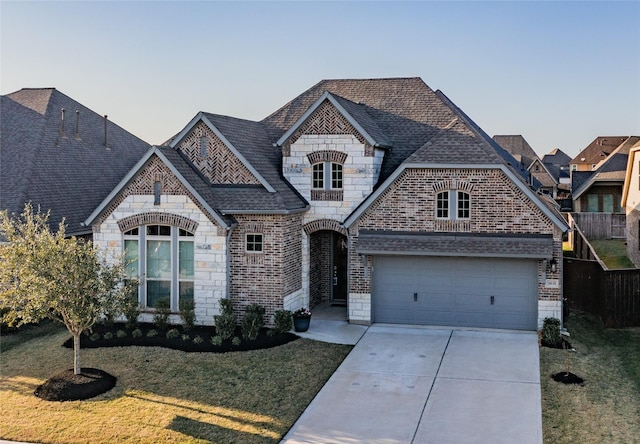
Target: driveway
x,y
420,385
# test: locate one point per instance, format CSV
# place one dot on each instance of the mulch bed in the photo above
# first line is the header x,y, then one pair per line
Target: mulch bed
x,y
67,386
567,378
186,343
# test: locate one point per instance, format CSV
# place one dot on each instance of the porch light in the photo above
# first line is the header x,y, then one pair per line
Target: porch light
x,y
554,265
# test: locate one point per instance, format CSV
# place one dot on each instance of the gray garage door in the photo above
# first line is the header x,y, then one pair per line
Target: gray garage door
x,y
465,292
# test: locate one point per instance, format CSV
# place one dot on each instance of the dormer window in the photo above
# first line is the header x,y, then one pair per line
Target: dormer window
x,y
320,181
327,175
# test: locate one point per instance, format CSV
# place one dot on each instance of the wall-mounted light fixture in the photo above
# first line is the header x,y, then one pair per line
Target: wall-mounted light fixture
x,y
553,264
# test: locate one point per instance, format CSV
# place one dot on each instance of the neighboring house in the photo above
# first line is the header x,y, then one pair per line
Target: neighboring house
x,y
557,163
600,191
60,156
595,153
543,174
631,204
380,195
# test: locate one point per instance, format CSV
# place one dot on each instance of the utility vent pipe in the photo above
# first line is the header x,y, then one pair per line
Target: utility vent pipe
x,y
62,126
105,130
77,134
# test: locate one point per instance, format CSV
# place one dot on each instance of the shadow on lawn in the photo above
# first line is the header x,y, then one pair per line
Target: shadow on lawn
x,y
204,430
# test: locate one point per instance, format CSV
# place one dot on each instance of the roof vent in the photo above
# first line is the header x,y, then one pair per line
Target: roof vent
x,y
105,130
62,124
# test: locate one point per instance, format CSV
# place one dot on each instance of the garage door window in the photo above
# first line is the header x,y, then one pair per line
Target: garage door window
x,y
453,204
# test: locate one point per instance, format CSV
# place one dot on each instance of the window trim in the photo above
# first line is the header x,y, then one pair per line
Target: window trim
x,y
452,199
254,242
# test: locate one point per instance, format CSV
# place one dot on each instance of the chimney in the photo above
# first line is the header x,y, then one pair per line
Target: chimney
x,y
77,134
62,126
105,130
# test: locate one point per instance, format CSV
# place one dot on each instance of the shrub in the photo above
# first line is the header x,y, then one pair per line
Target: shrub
x,y
253,321
186,337
217,340
108,335
152,333
225,321
188,313
131,311
236,341
121,334
551,332
161,316
173,333
283,322
95,336
136,333
198,340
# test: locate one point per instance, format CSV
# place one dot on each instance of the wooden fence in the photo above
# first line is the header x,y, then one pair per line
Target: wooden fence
x,y
613,295
601,225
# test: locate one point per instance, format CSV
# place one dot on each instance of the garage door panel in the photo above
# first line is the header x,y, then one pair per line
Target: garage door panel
x,y
455,291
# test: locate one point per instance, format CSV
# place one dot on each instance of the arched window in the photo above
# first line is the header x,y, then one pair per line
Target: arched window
x,y
162,258
453,204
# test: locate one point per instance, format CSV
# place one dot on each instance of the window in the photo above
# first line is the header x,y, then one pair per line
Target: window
x,y
453,204
320,182
574,167
442,205
254,243
318,176
162,258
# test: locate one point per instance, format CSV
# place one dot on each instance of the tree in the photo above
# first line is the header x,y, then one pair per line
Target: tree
x,y
46,275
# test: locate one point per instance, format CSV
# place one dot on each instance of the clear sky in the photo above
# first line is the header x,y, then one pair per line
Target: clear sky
x,y
559,73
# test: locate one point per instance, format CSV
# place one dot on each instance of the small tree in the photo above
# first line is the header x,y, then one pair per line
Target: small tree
x,y
45,275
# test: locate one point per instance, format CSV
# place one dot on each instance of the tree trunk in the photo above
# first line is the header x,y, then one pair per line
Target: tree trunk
x,y
76,354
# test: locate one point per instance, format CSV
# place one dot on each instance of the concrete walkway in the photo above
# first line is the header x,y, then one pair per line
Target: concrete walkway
x,y
420,385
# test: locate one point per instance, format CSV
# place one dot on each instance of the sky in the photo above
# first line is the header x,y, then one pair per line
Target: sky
x,y
558,73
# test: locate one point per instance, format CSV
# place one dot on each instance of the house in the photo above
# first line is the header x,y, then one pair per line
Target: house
x,y
557,163
379,195
60,156
600,190
631,204
596,152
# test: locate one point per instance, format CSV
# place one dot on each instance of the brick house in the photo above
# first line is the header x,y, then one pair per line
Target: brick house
x,y
379,195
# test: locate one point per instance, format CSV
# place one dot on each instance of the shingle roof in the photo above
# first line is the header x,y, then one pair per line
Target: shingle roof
x,y
598,150
518,147
556,157
67,174
459,244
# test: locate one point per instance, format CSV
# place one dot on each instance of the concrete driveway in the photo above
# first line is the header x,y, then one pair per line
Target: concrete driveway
x,y
420,385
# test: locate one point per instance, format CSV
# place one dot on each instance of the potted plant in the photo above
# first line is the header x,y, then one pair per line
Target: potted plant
x,y
301,319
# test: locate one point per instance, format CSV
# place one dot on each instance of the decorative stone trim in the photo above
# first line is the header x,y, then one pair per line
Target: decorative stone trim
x,y
327,195
327,156
368,150
157,218
326,119
286,149
324,224
452,184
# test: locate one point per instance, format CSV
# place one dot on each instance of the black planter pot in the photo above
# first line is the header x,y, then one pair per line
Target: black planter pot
x,y
301,324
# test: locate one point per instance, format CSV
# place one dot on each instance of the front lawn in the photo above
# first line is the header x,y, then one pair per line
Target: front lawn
x,y
606,409
613,253
163,395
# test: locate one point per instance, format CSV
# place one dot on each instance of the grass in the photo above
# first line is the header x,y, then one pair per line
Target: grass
x,y
607,407
613,253
163,395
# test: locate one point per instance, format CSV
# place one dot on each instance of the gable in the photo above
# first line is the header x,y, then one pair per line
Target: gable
x,y
219,164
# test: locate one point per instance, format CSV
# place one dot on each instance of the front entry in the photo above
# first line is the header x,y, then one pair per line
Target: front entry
x,y
328,268
339,285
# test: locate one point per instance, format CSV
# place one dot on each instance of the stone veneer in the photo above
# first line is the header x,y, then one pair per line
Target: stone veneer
x,y
210,278
497,206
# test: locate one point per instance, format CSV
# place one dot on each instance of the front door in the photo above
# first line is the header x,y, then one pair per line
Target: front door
x,y
339,285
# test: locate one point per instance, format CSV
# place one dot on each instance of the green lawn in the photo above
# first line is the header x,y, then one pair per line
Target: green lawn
x,y
162,395
613,253
606,409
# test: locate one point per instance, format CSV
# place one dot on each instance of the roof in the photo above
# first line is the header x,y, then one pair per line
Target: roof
x,y
36,154
459,244
612,169
518,147
556,157
598,150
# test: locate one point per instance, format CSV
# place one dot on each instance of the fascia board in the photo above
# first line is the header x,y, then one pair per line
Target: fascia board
x,y
560,223
325,96
237,153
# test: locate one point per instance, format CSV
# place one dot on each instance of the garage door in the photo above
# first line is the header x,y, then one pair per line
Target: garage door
x,y
465,292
